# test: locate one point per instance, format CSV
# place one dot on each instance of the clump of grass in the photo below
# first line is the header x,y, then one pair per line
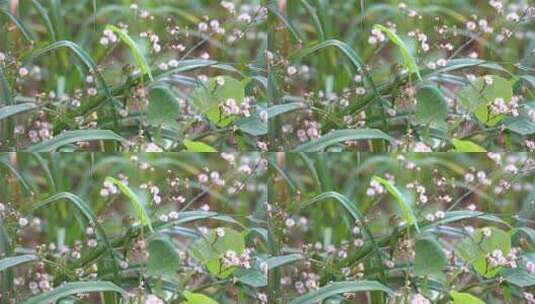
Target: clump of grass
x,y
125,228
112,76
348,67
409,228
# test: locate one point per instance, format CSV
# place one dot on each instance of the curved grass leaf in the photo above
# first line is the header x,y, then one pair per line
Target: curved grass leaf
x,y
277,110
277,261
69,289
44,14
403,202
340,288
141,61
72,137
13,261
338,136
139,207
408,59
9,111
19,24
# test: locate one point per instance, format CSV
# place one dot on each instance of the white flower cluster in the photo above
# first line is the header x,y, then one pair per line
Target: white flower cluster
x,y
232,259
499,107
497,258
375,188
377,36
108,189
108,37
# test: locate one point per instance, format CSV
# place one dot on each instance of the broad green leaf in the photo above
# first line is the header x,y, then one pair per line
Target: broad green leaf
x,y
340,136
197,146
209,97
209,249
522,124
12,261
477,96
429,258
519,277
408,60
163,106
466,146
141,61
9,111
431,107
337,288
403,201
72,137
252,277
464,298
475,248
163,258
198,298
139,207
72,289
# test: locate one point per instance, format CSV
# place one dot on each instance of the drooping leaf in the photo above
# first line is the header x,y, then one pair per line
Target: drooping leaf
x,y
403,201
9,111
141,61
133,199
408,60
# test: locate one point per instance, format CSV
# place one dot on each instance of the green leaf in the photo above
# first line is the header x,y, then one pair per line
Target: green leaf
x,y
139,207
477,96
337,288
163,106
466,146
9,262
319,144
408,60
19,24
252,277
71,137
429,258
403,201
9,111
277,261
277,110
198,298
464,298
209,97
519,277
475,248
197,146
141,61
163,258
73,288
431,107
211,248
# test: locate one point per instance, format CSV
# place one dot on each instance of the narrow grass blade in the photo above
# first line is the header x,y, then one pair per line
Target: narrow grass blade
x,y
277,110
69,289
72,137
408,59
277,261
13,261
339,136
139,207
9,111
141,61
44,14
403,202
340,288
27,35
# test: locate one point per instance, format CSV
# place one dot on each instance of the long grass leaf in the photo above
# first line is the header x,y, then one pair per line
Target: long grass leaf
x,y
338,136
13,110
72,137
402,201
13,261
337,288
69,289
